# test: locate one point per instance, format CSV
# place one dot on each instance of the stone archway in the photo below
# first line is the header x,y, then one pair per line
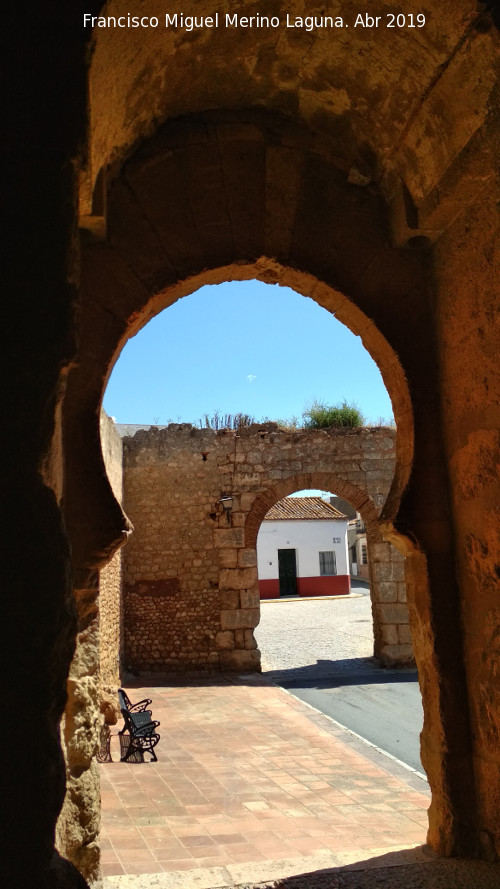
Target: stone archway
x,y
391,630
190,578
426,115
161,241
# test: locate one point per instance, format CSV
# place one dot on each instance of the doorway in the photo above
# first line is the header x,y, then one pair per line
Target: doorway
x,y
287,571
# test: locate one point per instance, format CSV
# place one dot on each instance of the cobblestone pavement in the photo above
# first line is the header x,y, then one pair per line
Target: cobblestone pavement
x,y
315,638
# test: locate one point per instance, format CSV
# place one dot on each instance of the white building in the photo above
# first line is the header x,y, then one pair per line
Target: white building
x,y
358,547
302,550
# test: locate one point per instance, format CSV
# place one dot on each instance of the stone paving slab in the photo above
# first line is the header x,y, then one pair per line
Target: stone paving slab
x,y
249,777
377,873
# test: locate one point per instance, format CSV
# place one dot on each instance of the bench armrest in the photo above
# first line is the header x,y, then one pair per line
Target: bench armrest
x,y
148,728
141,705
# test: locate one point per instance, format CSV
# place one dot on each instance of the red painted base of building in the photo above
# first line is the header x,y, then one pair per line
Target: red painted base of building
x,y
340,585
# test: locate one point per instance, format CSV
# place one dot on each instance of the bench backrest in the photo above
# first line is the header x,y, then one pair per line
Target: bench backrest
x,y
125,702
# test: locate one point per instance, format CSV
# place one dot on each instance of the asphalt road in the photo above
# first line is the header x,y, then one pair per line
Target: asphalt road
x,y
383,706
321,651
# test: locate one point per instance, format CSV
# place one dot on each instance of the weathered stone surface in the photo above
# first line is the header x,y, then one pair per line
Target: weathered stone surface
x,y
241,617
404,634
388,591
228,558
109,704
250,640
241,661
390,635
237,578
225,640
393,614
382,571
250,598
228,537
79,821
217,556
229,599
247,558
380,552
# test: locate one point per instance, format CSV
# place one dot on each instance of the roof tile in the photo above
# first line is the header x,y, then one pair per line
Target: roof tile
x,y
303,509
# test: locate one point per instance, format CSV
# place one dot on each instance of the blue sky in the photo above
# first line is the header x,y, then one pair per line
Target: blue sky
x,y
242,347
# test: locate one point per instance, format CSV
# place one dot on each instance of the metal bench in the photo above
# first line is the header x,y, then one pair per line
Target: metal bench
x,y
140,728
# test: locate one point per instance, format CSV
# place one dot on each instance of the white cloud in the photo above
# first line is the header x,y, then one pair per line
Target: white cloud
x,y
251,378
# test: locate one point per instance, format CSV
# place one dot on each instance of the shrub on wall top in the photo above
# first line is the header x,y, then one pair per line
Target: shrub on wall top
x,y
322,416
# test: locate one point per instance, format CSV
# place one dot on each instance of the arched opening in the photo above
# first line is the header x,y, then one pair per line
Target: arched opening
x,y
316,630
335,245
391,632
402,122
150,560
142,606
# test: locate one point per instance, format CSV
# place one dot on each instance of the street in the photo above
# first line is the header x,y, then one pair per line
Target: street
x,y
321,651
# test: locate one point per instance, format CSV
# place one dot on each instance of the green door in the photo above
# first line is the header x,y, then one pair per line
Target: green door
x,y
287,570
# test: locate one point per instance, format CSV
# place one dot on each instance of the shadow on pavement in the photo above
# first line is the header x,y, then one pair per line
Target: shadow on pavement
x,y
398,870
333,674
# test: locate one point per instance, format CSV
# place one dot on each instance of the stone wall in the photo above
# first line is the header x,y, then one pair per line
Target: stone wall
x,y
77,830
110,581
467,265
92,683
190,571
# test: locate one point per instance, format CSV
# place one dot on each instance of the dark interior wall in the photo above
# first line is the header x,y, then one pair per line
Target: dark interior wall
x,y
44,119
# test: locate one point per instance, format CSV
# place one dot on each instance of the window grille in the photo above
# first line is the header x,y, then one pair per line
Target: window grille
x,y
364,555
327,564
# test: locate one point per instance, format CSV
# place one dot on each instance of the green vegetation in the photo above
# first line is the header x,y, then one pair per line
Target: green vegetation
x,y
317,415
322,416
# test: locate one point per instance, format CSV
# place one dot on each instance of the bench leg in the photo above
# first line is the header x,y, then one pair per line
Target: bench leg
x,y
131,748
104,752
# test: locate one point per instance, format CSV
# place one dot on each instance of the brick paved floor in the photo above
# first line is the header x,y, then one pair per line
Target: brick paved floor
x,y
247,773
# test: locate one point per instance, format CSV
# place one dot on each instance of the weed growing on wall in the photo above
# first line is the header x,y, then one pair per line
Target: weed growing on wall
x,y
322,416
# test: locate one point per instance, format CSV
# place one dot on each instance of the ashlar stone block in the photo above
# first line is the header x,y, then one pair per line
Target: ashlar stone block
x,y
229,599
387,591
390,634
225,537
382,571
247,558
404,634
380,552
402,592
393,614
224,640
228,558
236,578
250,640
247,501
250,598
397,654
244,660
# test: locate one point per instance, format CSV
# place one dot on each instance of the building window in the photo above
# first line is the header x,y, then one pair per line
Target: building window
x,y
327,564
364,555
335,539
